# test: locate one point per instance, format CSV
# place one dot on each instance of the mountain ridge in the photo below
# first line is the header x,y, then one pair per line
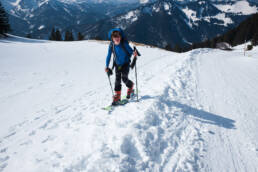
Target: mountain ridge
x,y
161,23
167,22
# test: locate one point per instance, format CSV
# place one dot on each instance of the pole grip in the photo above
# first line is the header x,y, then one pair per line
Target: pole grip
x,y
135,49
135,58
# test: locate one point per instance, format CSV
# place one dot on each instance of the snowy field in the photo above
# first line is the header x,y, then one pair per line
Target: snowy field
x,y
198,111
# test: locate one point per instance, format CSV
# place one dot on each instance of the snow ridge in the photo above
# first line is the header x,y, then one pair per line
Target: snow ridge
x,y
165,133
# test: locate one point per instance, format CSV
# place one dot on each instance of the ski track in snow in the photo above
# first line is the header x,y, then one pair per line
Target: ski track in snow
x,y
162,132
232,89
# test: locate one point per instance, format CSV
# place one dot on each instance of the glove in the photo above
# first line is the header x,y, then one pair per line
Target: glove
x,y
109,71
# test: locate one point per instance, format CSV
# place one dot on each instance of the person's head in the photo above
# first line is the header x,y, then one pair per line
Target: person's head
x,y
116,37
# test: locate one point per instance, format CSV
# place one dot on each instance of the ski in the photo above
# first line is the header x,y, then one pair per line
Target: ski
x,y
119,103
122,102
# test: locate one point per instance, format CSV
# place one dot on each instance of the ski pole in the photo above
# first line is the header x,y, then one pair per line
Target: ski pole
x,y
110,85
137,92
134,65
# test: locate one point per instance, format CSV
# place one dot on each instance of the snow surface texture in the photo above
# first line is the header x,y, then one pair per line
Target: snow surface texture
x,y
198,111
238,7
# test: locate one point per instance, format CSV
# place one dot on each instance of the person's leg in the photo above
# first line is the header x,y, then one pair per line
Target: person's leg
x,y
118,86
127,82
125,72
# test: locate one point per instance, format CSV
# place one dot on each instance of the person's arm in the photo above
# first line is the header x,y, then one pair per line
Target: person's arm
x,y
108,56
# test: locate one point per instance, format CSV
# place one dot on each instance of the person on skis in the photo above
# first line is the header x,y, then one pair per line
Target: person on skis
x,y
122,53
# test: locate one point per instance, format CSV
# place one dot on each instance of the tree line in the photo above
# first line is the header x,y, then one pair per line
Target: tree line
x,y
57,35
4,21
244,32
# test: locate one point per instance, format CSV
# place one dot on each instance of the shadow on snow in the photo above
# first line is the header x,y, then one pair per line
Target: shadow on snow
x,y
14,39
205,117
199,114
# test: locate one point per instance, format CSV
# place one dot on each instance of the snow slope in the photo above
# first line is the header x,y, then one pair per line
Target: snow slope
x,y
198,111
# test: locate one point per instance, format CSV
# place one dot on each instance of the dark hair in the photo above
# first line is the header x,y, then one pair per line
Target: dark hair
x,y
116,34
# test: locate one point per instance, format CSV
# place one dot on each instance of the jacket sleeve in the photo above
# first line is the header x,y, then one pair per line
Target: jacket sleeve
x,y
108,56
129,49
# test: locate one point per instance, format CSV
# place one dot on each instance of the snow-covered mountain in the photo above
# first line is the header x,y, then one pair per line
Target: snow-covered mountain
x,y
162,22
172,22
198,110
33,4
38,17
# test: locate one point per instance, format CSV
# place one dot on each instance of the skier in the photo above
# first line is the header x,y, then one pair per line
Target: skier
x,y
122,53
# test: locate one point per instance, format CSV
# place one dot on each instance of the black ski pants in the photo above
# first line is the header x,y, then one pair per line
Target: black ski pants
x,y
122,74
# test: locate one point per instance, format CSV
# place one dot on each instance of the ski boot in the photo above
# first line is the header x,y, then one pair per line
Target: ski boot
x,y
130,92
116,98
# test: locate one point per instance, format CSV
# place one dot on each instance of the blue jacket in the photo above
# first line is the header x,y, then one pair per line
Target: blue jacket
x,y
121,56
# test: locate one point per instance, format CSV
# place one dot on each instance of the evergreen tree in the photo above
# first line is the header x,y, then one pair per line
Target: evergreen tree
x,y
249,47
58,35
228,37
28,35
193,46
4,21
241,35
168,47
69,36
80,36
255,39
206,44
213,43
98,38
177,48
53,35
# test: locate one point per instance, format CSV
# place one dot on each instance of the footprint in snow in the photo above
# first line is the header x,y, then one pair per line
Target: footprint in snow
x,y
30,88
3,150
44,126
4,159
61,109
37,118
2,166
127,164
10,135
128,148
28,142
58,155
211,132
49,138
32,133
